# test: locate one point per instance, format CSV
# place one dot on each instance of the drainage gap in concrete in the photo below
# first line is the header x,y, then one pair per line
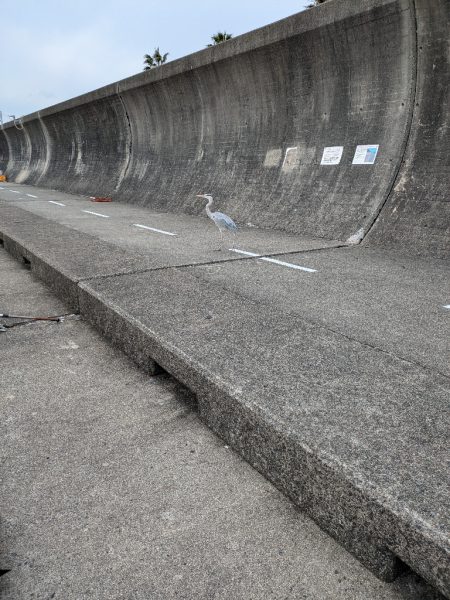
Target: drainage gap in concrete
x,y
187,397
417,586
183,393
156,369
2,243
26,262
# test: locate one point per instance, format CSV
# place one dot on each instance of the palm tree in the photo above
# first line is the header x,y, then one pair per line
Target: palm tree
x,y
219,37
155,60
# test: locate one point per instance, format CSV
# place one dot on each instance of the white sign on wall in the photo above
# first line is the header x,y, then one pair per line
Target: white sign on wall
x,y
332,155
365,155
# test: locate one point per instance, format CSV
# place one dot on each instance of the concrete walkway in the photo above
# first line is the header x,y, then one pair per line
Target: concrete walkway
x,y
324,366
113,488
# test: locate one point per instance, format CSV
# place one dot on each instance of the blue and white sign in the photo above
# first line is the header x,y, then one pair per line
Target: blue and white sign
x,y
365,155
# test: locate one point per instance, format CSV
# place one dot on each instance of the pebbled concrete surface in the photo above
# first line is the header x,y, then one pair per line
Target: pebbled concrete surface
x,y
259,152
329,419
384,299
250,335
197,239
113,488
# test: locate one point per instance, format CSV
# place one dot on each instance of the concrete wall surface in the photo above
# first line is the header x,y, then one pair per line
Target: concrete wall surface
x,y
248,121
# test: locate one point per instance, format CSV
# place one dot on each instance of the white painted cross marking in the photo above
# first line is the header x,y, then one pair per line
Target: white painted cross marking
x,y
31,196
91,212
153,229
275,261
58,203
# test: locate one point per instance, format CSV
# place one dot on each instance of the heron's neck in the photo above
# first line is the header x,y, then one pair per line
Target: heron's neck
x,y
207,207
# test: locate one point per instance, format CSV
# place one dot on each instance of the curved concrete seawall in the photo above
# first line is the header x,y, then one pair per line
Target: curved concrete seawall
x,y
417,213
248,122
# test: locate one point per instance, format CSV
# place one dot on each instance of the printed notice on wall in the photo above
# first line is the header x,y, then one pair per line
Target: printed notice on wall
x,y
332,155
365,155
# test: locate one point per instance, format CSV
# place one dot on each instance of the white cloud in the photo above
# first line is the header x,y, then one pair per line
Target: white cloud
x,y
49,70
51,51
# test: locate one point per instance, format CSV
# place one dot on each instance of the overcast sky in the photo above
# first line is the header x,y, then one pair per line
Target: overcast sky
x,y
52,50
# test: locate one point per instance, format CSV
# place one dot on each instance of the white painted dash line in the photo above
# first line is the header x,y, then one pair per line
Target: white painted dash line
x,y
31,196
245,252
153,229
275,261
91,212
290,265
54,202
14,191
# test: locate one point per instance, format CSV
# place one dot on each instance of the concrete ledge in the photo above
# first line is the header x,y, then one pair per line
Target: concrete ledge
x,y
353,435
335,446
62,256
63,286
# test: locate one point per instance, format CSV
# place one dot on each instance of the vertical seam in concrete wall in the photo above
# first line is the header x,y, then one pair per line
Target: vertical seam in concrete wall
x,y
10,155
24,173
47,147
130,145
409,124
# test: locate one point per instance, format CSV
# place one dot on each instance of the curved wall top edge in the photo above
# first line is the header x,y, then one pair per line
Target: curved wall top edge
x,y
290,26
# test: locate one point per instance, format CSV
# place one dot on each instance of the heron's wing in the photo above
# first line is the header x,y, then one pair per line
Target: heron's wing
x,y
225,221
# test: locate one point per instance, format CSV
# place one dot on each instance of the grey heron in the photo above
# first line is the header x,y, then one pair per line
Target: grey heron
x,y
222,221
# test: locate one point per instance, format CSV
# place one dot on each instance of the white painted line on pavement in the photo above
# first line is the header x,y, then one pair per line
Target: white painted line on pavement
x,y
2,188
290,265
275,261
244,252
153,229
14,191
447,306
31,196
54,202
91,212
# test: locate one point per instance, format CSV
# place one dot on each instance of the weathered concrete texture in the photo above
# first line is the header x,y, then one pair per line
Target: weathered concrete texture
x,y
18,143
417,215
30,163
61,256
346,415
22,294
329,420
96,142
112,488
311,405
5,158
4,150
197,239
222,120
390,302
